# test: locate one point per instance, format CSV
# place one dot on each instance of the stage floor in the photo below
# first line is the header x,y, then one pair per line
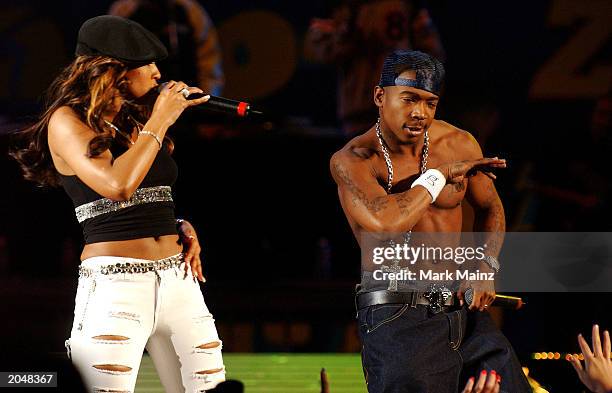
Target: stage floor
x,y
277,372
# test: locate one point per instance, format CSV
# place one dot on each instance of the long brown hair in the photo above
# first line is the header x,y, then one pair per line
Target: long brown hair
x,y
88,86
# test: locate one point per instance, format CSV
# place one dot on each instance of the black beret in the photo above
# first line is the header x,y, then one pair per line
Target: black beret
x,y
119,38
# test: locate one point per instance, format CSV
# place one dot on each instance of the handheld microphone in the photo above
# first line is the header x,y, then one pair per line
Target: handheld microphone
x,y
220,104
500,300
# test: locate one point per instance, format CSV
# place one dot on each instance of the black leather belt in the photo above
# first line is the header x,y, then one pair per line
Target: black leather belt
x,y
436,299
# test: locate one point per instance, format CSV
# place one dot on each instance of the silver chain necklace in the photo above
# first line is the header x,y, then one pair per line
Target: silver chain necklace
x,y
385,151
407,235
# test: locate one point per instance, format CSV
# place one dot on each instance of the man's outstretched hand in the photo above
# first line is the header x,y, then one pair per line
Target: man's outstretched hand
x,y
456,171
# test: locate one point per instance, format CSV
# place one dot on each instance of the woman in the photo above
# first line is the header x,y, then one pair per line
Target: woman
x,y
112,157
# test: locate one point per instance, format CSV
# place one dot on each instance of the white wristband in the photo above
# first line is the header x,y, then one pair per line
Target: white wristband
x,y
433,180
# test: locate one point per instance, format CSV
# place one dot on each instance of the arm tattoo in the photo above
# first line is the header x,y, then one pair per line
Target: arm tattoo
x,y
491,220
375,205
403,202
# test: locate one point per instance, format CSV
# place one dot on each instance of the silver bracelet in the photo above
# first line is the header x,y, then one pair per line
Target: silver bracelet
x,y
492,262
157,139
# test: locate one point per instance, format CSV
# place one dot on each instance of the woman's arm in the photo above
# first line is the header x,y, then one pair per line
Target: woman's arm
x,y
116,179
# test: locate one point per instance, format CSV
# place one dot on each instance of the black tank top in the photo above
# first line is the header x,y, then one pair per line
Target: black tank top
x,y
148,213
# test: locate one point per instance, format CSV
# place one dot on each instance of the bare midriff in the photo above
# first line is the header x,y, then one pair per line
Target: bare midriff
x,y
151,248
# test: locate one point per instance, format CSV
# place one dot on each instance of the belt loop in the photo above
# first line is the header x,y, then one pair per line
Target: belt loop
x,y
415,297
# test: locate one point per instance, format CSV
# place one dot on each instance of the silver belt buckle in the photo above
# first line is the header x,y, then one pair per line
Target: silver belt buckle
x,y
437,297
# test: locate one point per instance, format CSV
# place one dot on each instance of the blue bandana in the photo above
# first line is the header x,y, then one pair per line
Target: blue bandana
x,y
429,71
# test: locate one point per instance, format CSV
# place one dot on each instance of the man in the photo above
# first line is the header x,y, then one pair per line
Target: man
x,y
417,341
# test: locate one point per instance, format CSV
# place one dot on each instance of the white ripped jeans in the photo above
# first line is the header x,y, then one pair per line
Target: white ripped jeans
x,y
118,315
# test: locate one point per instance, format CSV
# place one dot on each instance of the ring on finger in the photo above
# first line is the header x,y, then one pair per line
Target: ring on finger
x,y
185,92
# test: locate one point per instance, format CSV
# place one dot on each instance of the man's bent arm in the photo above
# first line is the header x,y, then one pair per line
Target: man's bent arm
x,y
366,202
491,223
488,209
488,212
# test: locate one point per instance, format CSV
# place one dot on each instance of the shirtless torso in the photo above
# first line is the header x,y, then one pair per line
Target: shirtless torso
x,y
446,144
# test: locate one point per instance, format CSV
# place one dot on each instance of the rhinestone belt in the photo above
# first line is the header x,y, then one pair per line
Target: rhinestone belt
x,y
105,205
134,267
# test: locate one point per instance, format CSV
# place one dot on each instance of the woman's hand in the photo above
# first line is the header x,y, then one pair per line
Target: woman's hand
x,y
191,249
485,384
596,374
171,102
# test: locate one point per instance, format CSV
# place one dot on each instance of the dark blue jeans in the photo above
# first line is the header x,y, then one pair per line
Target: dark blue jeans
x,y
407,349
